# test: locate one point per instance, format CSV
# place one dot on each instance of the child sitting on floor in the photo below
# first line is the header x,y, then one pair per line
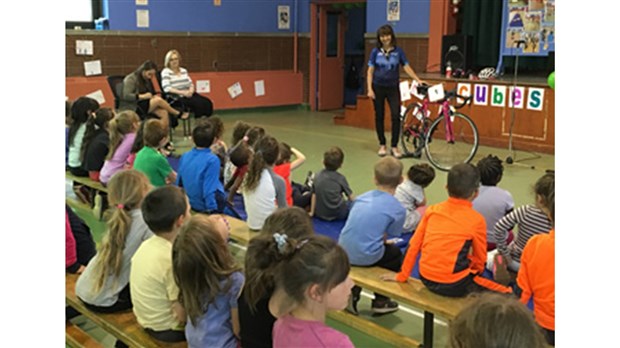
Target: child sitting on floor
x,y
327,202
410,193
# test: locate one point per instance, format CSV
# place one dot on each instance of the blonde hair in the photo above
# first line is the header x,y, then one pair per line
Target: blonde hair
x,y
119,126
126,190
168,57
200,260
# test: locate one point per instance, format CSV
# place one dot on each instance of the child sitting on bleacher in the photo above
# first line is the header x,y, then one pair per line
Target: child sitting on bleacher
x,y
410,193
451,239
79,243
104,285
123,130
261,301
284,167
199,172
154,293
263,190
492,202
327,200
375,216
536,277
314,273
96,143
81,111
209,281
149,160
531,220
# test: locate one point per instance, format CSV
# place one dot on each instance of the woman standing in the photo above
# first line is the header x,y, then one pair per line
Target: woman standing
x,y
179,88
139,95
383,80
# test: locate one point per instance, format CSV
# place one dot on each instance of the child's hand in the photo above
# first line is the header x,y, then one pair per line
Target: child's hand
x,y
388,277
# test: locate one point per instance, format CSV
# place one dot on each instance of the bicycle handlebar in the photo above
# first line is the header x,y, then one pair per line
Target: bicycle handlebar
x,y
423,90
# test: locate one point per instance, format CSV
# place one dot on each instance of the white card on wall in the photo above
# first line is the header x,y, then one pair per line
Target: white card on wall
x,y
92,68
84,47
284,17
98,96
203,86
235,90
142,18
259,88
435,93
142,2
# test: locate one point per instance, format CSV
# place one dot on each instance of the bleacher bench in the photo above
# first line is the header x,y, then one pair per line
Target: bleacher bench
x,y
122,325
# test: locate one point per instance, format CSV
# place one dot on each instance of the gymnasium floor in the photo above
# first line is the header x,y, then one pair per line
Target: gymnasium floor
x,y
312,133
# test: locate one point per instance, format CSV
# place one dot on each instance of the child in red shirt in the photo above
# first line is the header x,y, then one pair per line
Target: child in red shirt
x,y
295,194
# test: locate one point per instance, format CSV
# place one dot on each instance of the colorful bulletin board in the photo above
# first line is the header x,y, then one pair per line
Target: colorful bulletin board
x,y
531,21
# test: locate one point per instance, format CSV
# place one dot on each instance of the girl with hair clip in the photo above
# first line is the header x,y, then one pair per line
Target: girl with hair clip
x,y
104,285
209,281
314,273
261,303
96,143
263,190
81,110
123,130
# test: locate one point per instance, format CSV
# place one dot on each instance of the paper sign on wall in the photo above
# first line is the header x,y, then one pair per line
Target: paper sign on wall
x,y
404,90
393,10
217,2
98,96
535,98
284,17
203,86
84,47
142,18
435,93
259,88
235,90
142,2
92,68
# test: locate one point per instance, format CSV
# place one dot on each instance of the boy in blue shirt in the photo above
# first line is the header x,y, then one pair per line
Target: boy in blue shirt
x,y
199,173
375,217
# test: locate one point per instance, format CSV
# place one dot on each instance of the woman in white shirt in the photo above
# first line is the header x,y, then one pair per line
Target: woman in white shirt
x,y
179,88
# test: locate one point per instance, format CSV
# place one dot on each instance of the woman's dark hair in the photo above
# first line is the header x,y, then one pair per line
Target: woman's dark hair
x,y
100,122
265,154
81,110
147,65
385,30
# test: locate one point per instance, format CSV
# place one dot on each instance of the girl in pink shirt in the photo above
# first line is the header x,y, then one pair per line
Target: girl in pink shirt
x,y
315,277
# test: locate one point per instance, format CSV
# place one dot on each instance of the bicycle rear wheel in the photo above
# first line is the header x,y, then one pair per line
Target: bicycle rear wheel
x,y
410,129
444,154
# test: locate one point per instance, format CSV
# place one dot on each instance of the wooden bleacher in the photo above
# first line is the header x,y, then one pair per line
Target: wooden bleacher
x,y
122,325
86,181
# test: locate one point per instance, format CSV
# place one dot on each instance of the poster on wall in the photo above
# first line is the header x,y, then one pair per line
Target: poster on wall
x,y
393,10
142,18
528,28
284,17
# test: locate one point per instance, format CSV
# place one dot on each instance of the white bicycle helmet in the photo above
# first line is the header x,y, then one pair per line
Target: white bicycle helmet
x,y
487,74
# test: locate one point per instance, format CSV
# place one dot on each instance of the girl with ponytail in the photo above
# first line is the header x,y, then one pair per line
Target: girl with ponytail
x,y
96,143
263,190
104,285
123,130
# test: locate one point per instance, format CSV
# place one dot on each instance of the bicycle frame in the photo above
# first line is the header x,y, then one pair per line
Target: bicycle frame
x,y
444,110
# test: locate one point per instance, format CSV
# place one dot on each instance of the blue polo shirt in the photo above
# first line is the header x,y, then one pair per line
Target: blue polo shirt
x,y
387,66
199,175
373,214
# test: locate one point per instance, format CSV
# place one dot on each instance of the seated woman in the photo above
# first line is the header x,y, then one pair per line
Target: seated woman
x,y
139,95
179,88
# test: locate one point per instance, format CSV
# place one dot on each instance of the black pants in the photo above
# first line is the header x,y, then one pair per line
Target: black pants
x,y
78,171
392,94
167,335
549,336
392,259
122,304
199,105
302,195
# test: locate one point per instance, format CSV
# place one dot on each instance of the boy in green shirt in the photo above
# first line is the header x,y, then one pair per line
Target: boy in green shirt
x,y
149,160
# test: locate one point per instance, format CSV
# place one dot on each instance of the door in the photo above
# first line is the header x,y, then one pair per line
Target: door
x,y
330,58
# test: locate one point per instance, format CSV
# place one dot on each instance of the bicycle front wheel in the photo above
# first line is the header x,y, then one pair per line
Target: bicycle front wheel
x,y
411,126
443,152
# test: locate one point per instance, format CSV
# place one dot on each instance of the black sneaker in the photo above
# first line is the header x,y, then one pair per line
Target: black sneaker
x,y
354,299
384,306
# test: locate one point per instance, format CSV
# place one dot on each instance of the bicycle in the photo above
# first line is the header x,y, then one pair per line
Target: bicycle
x,y
420,132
